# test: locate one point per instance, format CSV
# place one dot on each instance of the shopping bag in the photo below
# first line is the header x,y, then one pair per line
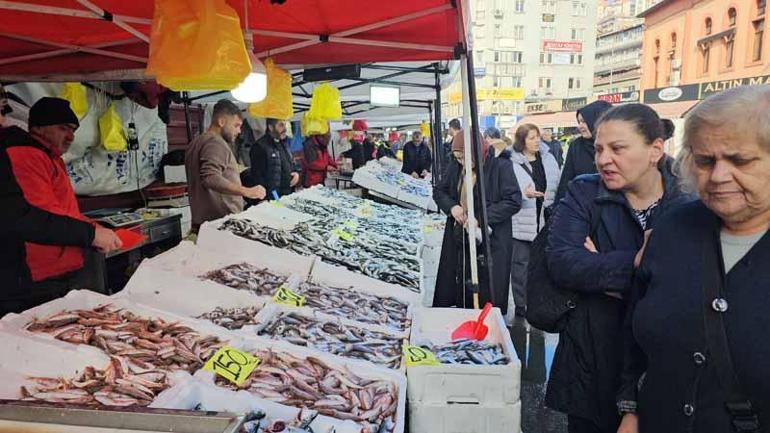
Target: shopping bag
x,y
310,126
325,104
425,129
278,104
197,45
111,132
75,93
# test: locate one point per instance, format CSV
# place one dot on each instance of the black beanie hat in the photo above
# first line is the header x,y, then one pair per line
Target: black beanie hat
x,y
52,111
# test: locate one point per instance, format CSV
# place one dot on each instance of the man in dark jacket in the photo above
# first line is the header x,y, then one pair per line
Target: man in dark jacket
x,y
503,201
272,165
417,157
41,228
369,147
580,155
554,146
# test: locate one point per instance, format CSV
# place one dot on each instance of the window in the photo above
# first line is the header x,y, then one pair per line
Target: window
x,y
544,83
577,34
546,58
519,6
548,32
731,17
574,83
657,70
708,26
761,5
579,9
518,33
549,6
577,59
657,46
515,81
508,56
673,42
729,50
706,53
481,15
759,33
498,33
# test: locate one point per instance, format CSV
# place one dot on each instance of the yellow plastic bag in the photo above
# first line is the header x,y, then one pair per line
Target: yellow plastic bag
x,y
197,45
75,93
311,126
279,102
325,104
111,131
425,129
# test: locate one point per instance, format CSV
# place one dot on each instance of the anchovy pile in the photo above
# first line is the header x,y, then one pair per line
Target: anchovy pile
x,y
389,214
308,382
231,318
406,183
358,306
465,351
382,260
121,384
148,344
247,277
335,338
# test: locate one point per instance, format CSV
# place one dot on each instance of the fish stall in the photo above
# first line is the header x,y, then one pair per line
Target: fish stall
x,y
278,320
384,176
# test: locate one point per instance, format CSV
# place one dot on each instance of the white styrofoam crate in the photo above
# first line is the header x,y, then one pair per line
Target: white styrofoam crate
x,y
429,289
337,276
462,384
464,418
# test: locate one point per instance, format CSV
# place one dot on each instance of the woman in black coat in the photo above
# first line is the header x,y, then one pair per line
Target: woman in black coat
x,y
580,154
503,201
672,377
631,191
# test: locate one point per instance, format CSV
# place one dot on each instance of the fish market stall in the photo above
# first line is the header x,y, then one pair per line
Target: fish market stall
x,y
385,177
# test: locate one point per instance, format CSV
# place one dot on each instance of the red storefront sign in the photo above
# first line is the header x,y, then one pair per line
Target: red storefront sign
x,y
563,46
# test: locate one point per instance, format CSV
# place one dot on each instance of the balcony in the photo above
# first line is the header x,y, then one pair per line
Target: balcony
x,y
619,66
617,78
608,48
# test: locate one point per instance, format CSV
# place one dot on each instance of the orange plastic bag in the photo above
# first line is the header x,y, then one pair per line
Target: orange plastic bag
x,y
326,103
75,93
111,131
311,126
197,45
279,102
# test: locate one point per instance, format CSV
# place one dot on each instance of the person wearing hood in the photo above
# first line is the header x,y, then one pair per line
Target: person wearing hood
x,y
42,230
503,201
537,172
580,155
317,161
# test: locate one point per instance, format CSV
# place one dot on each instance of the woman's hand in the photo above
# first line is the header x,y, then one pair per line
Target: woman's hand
x,y
629,424
640,254
589,245
459,214
531,192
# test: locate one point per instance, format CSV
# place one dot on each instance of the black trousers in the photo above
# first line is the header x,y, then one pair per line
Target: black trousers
x,y
36,293
581,425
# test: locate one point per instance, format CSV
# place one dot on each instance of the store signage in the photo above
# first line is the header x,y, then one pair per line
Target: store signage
x,y
563,46
695,92
713,87
284,295
480,71
416,355
619,98
232,364
543,107
549,18
573,104
687,92
500,94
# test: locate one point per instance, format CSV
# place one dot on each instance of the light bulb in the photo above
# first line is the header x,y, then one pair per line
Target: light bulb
x,y
252,89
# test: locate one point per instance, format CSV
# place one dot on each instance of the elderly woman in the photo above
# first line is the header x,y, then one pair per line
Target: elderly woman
x,y
537,173
593,241
702,298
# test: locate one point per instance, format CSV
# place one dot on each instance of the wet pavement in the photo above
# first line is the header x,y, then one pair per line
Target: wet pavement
x,y
536,349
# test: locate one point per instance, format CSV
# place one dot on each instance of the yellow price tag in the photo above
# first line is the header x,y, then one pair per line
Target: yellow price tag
x,y
342,234
286,296
417,356
427,229
276,203
232,364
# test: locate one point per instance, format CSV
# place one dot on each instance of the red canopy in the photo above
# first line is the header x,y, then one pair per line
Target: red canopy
x,y
109,38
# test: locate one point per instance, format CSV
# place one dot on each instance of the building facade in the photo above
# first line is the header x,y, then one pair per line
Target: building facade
x,y
528,51
698,47
618,65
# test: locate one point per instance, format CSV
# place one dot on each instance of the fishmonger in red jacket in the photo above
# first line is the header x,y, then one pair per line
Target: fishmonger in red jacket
x,y
317,160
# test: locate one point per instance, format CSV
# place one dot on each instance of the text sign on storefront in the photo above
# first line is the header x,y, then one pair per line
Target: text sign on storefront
x,y
619,98
543,107
713,87
573,104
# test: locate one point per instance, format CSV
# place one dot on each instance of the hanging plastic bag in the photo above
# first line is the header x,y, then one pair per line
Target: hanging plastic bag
x,y
75,93
326,103
425,129
279,101
310,126
111,131
197,45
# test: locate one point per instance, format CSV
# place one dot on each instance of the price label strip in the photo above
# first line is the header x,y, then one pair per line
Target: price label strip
x,y
232,364
417,356
286,296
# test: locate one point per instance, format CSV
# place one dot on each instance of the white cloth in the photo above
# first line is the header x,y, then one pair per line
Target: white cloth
x,y
524,223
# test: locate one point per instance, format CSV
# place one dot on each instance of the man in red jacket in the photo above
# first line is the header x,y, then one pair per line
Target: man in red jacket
x,y
39,264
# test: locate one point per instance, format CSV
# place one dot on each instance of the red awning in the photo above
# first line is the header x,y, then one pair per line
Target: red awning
x,y
39,38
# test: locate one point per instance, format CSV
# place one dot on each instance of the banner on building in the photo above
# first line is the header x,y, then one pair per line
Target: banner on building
x,y
563,46
713,87
573,104
501,94
619,98
694,92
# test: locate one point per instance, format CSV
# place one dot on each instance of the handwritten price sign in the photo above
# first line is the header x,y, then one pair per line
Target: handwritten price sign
x,y
232,364
416,356
286,296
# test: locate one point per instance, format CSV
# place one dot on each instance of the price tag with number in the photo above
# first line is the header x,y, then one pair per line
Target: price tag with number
x,y
286,296
342,234
416,355
232,364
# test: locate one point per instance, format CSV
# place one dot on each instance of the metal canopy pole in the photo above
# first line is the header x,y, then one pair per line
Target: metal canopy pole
x,y
186,102
437,127
434,168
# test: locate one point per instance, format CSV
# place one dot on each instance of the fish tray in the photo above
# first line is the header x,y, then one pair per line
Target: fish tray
x,y
270,312
464,418
337,276
364,370
454,384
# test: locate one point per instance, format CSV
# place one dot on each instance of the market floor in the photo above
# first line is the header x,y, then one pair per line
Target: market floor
x,y
535,349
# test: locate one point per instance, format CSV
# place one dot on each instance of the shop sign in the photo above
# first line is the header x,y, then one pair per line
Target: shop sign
x,y
455,97
543,107
619,98
480,71
500,94
563,46
549,18
713,87
573,104
687,92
